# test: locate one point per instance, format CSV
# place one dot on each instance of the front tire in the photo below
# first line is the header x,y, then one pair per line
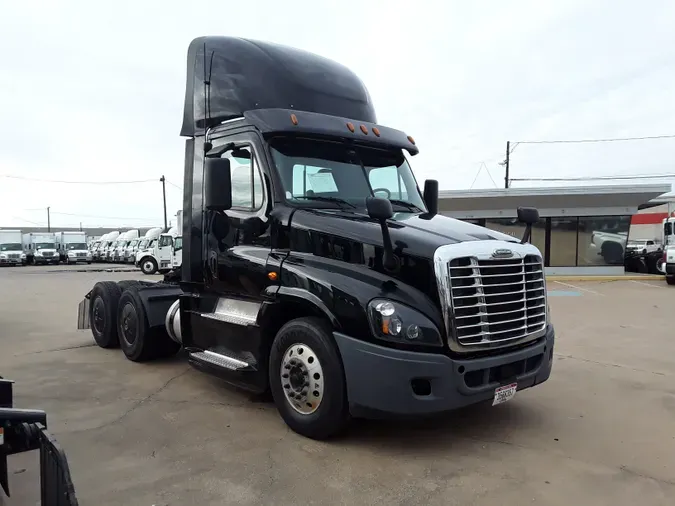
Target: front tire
x,y
307,379
148,266
103,313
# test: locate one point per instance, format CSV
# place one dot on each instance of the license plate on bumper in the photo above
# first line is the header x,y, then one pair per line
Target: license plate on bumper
x,y
504,393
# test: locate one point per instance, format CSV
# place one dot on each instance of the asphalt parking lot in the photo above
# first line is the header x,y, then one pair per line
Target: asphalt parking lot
x,y
601,431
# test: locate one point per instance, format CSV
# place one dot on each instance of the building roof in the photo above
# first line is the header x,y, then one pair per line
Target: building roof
x,y
611,200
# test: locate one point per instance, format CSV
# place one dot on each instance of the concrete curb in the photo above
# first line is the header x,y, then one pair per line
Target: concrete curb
x,y
625,277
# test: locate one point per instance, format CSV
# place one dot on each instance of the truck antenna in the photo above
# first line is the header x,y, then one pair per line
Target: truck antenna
x,y
207,98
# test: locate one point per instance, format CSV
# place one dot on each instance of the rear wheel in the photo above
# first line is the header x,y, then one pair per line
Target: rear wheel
x,y
307,379
148,265
670,280
103,312
138,340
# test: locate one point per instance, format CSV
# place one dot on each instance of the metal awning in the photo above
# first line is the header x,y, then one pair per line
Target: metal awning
x,y
614,200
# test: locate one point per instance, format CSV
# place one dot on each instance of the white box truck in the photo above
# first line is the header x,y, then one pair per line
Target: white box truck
x,y
10,247
72,247
40,248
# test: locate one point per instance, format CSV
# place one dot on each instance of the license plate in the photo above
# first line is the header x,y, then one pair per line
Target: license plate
x,y
504,393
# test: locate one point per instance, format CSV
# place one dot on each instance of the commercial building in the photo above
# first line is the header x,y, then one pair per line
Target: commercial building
x,y
582,230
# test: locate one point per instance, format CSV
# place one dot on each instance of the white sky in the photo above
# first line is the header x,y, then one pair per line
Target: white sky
x,y
93,92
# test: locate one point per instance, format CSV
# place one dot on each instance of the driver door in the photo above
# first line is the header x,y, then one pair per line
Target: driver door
x,y
164,248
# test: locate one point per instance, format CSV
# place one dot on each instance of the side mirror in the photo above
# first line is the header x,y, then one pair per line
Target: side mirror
x,y
529,216
218,181
431,196
381,210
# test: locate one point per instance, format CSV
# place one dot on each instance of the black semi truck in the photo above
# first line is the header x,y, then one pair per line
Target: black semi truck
x,y
315,268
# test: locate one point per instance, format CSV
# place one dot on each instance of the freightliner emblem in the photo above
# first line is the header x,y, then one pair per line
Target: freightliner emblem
x,y
502,253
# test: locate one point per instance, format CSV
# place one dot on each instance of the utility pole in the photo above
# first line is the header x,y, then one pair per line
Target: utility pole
x,y
163,181
506,164
49,225
80,226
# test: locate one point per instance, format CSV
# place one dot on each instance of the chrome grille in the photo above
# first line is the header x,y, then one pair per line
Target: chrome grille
x,y
497,301
13,256
47,254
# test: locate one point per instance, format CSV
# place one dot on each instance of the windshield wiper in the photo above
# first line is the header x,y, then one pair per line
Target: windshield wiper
x,y
409,205
322,198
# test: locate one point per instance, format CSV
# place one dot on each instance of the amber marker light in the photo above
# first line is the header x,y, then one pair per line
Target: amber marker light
x,y
364,130
294,119
412,141
376,131
272,275
351,127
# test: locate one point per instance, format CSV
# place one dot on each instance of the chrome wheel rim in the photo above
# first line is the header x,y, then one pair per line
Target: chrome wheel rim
x,y
302,378
147,266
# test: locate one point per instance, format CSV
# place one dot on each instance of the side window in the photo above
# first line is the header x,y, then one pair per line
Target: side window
x,y
247,189
389,179
165,240
316,179
650,243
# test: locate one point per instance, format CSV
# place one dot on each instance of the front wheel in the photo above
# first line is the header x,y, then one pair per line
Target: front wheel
x,y
307,379
148,266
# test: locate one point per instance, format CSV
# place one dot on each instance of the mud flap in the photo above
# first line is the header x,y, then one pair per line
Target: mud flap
x,y
83,314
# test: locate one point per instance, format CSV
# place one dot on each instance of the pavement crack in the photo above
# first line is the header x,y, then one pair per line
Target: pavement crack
x,y
610,364
136,404
66,348
626,469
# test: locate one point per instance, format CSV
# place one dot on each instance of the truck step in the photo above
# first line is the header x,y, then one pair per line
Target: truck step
x,y
234,311
210,357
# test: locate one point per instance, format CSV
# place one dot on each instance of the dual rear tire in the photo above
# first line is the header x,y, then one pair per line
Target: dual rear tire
x,y
118,319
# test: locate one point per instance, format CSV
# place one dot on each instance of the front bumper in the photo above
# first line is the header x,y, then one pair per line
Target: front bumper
x,y
670,269
380,380
10,261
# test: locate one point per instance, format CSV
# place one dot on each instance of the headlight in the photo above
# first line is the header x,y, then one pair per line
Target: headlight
x,y
397,323
23,255
3,256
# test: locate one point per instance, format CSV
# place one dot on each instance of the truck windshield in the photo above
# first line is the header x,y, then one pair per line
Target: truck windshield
x,y
44,245
143,244
75,245
320,173
12,246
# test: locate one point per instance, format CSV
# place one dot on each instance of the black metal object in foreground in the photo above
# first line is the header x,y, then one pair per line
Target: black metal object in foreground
x,y
23,430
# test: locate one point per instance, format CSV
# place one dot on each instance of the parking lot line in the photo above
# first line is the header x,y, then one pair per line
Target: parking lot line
x,y
579,288
646,284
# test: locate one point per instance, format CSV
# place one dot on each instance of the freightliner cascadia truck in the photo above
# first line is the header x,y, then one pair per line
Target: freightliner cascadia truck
x,y
313,266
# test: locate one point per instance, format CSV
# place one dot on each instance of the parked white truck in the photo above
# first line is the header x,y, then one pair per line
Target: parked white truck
x,y
72,247
40,248
160,256
147,242
109,246
122,242
10,247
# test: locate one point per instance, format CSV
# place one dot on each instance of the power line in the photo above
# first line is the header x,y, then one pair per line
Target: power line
x,y
75,182
27,221
615,139
173,184
595,178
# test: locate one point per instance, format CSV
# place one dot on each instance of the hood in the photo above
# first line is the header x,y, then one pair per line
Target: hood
x,y
418,235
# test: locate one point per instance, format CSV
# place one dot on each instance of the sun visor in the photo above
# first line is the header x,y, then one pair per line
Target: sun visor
x,y
227,76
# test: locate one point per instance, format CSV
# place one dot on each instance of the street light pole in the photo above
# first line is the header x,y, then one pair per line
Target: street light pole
x,y
506,164
49,225
163,181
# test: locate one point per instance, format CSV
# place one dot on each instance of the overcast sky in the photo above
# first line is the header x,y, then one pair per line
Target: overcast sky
x,y
92,93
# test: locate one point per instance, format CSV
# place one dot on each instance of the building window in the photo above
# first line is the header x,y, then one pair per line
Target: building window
x,y
563,251
602,240
512,227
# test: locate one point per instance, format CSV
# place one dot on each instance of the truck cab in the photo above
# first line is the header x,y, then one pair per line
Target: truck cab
x,y
314,266
11,250
72,247
40,248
